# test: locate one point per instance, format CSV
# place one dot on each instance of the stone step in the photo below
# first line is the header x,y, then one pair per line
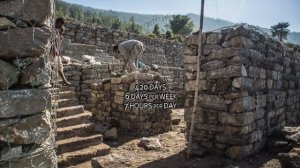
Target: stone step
x,y
76,130
77,143
69,111
73,120
67,88
67,94
80,156
68,102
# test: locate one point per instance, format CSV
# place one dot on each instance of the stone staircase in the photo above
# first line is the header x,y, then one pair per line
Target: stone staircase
x,y
76,139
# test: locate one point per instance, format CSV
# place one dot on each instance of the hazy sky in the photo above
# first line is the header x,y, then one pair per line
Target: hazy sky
x,y
257,12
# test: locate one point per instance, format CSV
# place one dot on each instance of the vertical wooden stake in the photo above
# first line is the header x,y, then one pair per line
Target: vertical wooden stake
x,y
189,147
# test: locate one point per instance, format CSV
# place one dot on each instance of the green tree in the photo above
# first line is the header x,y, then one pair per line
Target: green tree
x,y
280,30
133,27
156,30
181,25
116,24
169,34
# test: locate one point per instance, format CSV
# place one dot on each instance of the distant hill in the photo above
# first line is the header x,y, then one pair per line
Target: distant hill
x,y
148,21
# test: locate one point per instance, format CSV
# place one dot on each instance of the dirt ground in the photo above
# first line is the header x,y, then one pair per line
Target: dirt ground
x,y
173,154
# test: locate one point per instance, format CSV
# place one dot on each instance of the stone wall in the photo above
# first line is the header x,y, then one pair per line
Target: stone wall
x,y
95,74
26,134
158,51
83,75
121,104
248,90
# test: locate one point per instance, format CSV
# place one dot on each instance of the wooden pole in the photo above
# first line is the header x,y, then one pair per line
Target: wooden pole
x,y
189,148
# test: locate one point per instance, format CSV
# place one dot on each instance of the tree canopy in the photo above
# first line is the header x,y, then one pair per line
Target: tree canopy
x,y
82,14
181,25
280,30
156,30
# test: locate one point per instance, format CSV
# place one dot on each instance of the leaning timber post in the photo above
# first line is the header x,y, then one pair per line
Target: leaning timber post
x,y
189,148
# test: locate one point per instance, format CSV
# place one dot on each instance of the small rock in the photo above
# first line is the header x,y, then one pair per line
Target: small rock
x,y
295,137
101,128
66,59
292,134
154,67
6,24
111,134
291,159
89,59
150,143
109,161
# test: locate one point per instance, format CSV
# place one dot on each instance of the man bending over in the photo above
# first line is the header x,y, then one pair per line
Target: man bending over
x,y
129,52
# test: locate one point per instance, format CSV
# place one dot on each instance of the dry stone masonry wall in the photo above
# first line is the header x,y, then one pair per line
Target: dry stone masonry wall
x,y
26,130
123,103
83,75
249,88
158,51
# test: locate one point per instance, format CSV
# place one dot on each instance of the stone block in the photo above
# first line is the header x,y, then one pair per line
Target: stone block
x,y
254,72
29,130
116,80
190,86
241,119
243,83
214,38
190,59
33,44
40,156
11,153
36,74
228,72
235,95
237,130
244,104
212,65
9,75
6,24
256,135
23,102
40,12
213,102
208,49
111,160
111,134
242,42
225,53
233,139
119,99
